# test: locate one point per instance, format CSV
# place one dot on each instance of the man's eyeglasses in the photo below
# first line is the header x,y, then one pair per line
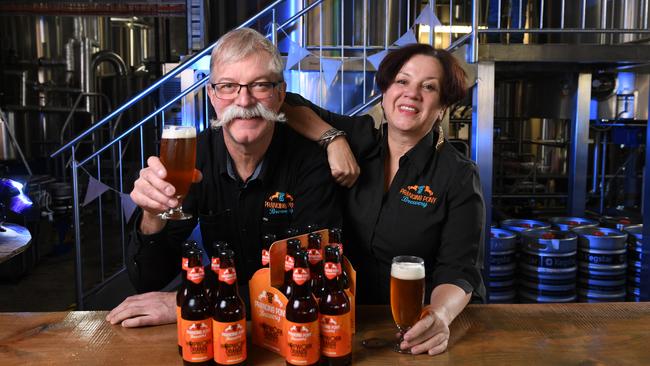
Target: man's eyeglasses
x,y
260,89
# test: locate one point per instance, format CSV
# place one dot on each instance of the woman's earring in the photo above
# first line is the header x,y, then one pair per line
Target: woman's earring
x,y
441,136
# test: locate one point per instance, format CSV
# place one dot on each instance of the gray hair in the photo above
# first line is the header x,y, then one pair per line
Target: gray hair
x,y
240,43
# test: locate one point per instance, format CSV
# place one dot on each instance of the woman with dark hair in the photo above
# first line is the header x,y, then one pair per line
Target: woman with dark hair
x,y
415,194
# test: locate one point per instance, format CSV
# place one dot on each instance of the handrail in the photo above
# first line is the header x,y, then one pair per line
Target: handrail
x,y
299,14
148,117
177,70
365,105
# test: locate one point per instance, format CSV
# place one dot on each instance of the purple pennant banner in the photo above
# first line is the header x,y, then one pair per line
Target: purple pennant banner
x,y
427,17
128,206
406,38
330,69
95,189
376,59
296,54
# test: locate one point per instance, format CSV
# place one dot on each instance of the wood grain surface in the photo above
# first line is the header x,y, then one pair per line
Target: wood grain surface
x,y
553,334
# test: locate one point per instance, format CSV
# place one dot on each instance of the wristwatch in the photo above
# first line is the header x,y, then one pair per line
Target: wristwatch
x,y
328,136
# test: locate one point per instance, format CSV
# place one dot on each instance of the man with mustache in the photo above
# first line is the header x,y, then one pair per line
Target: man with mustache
x,y
254,176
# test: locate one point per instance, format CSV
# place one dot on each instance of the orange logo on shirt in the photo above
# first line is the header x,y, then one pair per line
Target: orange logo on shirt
x,y
279,203
417,195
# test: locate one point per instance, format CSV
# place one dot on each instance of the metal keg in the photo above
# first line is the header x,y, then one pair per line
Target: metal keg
x,y
568,223
634,257
501,273
519,225
547,266
602,264
616,222
61,198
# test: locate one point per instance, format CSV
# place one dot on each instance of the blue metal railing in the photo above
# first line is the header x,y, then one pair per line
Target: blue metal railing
x,y
173,73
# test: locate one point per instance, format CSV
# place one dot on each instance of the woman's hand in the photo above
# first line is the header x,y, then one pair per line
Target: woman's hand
x,y
343,165
430,334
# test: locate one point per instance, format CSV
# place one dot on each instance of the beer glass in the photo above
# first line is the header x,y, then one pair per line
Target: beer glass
x,y
178,155
406,293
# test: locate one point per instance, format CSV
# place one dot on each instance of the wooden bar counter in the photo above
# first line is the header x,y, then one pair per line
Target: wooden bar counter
x,y
557,334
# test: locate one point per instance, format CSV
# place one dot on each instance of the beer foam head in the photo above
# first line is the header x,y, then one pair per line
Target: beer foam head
x,y
178,133
407,271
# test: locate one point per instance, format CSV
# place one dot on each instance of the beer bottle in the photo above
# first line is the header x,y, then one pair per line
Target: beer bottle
x,y
291,232
315,255
293,245
311,228
213,271
335,238
182,289
334,307
301,326
196,323
229,315
267,240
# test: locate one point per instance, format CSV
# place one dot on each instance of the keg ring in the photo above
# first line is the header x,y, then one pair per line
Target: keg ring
x,y
563,223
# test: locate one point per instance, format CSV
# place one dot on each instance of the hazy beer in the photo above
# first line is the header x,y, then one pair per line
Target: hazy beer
x,y
182,290
212,270
293,245
315,255
406,292
336,239
229,315
301,327
178,155
196,323
335,321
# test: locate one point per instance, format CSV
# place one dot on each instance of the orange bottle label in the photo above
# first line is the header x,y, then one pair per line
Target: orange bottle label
x,y
197,342
335,335
266,257
178,326
315,256
228,275
303,345
332,270
300,275
215,264
184,262
195,274
288,263
229,342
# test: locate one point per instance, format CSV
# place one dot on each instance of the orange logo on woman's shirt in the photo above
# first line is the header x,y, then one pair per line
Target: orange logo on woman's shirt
x,y
417,195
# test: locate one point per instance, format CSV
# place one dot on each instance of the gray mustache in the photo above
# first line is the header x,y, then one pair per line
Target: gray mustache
x,y
257,110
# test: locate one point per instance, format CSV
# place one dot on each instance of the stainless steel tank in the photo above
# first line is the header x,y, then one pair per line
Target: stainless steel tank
x,y
343,22
627,98
600,14
50,60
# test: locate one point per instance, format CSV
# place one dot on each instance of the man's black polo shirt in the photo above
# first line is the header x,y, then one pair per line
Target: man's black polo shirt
x,y
433,209
294,188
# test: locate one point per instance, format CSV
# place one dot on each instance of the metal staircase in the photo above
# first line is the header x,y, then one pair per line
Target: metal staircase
x,y
467,29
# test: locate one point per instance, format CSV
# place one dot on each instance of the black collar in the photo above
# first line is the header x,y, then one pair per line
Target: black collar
x,y
270,158
419,155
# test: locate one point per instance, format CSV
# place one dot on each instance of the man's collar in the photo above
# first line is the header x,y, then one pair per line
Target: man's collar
x,y
225,164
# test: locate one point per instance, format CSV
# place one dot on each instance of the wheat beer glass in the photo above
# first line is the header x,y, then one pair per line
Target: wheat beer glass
x,y
178,155
406,293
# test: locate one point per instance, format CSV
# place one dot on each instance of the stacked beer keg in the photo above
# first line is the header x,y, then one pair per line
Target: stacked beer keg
x,y
501,273
635,254
602,263
547,266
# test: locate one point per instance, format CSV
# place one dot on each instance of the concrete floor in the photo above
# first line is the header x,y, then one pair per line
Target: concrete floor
x,y
48,283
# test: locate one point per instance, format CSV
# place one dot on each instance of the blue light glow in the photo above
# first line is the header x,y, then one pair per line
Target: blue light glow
x,y
626,82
